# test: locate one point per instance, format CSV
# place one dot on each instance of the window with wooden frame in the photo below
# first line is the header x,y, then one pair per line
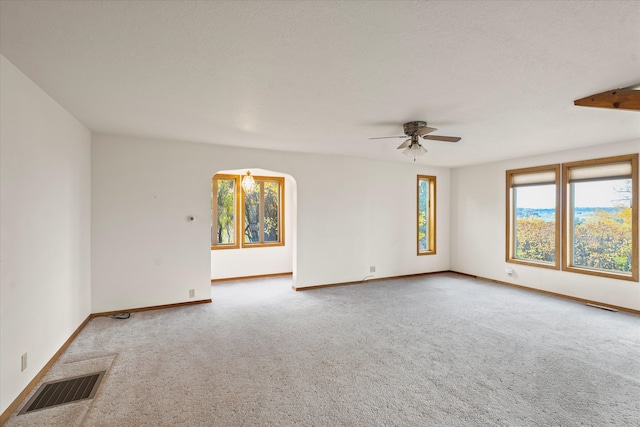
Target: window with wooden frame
x,y
241,218
600,217
426,216
263,208
225,205
533,216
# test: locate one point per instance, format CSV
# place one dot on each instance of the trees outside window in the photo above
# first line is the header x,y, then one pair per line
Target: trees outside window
x,y
426,215
263,212
224,208
598,202
601,217
533,225
251,218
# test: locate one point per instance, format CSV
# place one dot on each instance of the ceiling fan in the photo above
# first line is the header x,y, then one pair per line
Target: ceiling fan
x,y
415,131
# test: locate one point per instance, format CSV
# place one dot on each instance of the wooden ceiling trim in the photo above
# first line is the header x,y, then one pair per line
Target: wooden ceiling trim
x,y
621,99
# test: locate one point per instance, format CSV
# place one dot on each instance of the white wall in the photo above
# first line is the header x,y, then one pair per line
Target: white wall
x,y
243,262
478,230
45,289
351,214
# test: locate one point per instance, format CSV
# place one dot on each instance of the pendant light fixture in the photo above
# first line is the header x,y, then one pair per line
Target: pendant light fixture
x,y
248,182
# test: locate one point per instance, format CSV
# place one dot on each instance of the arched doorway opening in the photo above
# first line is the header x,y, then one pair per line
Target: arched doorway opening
x,y
248,247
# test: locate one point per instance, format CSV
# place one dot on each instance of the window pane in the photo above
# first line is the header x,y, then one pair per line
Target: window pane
x,y
426,215
226,209
252,215
271,211
423,215
535,223
601,225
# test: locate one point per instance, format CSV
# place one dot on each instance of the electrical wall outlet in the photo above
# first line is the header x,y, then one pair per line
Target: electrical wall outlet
x,y
372,269
23,362
192,293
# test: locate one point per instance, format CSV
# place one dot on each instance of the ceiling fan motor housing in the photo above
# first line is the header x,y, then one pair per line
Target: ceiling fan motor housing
x,y
411,128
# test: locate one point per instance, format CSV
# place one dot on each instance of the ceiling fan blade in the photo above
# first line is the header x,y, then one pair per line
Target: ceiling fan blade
x,y
386,137
405,144
425,130
442,138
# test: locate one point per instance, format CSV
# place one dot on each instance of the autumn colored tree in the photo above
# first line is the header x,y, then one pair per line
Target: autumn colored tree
x,y
535,239
603,241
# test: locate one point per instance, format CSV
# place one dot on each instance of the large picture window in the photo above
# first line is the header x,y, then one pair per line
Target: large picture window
x,y
252,217
598,202
601,217
426,215
533,225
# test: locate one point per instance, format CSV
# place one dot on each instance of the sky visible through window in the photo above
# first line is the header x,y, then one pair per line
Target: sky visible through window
x,y
601,194
537,197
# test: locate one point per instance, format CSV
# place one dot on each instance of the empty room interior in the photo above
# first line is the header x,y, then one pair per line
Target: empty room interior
x,y
320,212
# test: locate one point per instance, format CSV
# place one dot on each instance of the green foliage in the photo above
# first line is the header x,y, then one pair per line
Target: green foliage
x,y
225,232
270,215
252,215
271,204
423,198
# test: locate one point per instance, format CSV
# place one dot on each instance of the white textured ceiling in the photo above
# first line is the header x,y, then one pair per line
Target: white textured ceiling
x,y
321,76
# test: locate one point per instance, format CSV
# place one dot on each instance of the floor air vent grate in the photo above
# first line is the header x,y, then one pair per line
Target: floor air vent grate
x,y
69,390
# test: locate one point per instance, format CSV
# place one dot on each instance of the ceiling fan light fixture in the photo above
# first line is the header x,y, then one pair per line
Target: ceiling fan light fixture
x,y
415,150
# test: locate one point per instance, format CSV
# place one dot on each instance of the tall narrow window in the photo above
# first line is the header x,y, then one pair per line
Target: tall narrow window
x,y
533,225
224,206
263,208
601,217
426,215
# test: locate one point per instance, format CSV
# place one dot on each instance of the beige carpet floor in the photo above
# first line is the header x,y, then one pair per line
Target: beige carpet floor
x,y
436,350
